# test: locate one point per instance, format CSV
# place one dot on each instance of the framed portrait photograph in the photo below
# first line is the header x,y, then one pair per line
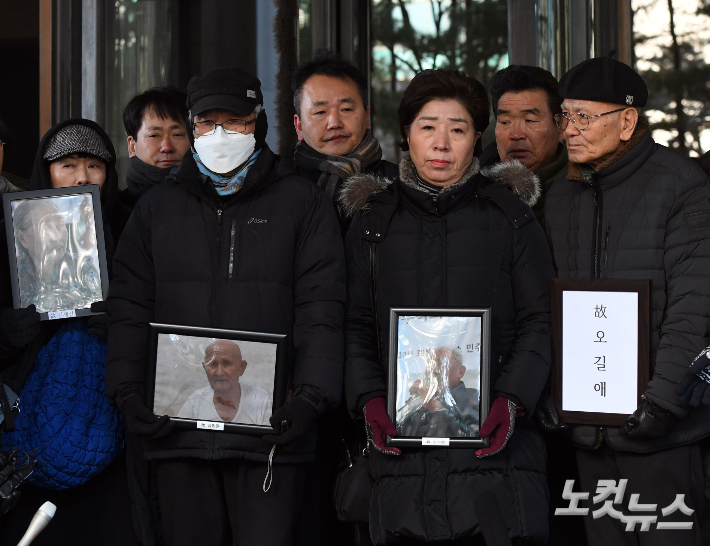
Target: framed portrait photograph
x,y
55,242
211,379
600,348
439,376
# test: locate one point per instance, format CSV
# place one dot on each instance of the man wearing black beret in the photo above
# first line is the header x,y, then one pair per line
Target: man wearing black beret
x,y
629,208
234,241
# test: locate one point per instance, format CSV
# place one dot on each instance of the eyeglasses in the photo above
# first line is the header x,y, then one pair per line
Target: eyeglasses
x,y
201,128
579,120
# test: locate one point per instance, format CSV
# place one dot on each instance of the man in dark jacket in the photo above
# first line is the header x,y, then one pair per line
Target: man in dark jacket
x,y
629,208
233,242
525,99
333,125
157,129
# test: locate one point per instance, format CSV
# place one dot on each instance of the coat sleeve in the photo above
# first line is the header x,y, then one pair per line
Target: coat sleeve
x,y
527,366
131,305
683,331
319,304
364,376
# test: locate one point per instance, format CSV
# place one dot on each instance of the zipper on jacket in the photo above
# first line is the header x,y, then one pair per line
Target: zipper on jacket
x,y
606,247
216,266
373,295
219,217
597,243
231,248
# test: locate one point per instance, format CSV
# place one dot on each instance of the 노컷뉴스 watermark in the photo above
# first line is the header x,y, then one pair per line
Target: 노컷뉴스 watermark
x,y
639,512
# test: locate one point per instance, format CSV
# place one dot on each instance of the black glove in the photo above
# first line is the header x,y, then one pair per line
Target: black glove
x,y
138,419
648,421
300,417
694,388
19,326
546,415
98,324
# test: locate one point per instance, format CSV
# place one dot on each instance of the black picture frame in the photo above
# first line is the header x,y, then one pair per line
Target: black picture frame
x,y
91,190
484,374
643,289
280,380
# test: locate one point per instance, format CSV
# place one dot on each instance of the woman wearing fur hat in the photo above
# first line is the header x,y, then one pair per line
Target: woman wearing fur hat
x,y
444,235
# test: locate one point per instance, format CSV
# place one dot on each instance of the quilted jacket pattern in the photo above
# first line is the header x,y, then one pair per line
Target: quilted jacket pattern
x,y
64,414
643,215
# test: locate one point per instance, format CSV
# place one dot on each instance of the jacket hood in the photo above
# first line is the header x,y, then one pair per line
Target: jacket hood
x,y
358,189
41,179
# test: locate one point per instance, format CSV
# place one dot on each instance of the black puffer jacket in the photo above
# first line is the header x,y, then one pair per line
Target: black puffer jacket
x,y
379,169
479,246
651,221
268,259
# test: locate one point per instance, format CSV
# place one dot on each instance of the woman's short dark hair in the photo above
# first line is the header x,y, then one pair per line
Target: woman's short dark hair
x,y
438,84
166,102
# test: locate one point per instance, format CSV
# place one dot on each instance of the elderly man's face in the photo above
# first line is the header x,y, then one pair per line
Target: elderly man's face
x,y
224,366
604,135
525,129
45,240
333,118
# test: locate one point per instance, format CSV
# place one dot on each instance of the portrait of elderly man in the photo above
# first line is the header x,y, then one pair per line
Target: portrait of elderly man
x,y
446,408
50,276
525,100
630,208
226,398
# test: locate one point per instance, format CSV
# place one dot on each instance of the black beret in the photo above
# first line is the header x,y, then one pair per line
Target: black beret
x,y
228,88
604,79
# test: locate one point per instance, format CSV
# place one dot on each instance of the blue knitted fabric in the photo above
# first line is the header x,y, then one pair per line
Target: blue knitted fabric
x,y
64,412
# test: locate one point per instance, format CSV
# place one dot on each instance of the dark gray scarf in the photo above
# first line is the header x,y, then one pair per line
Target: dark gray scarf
x,y
336,168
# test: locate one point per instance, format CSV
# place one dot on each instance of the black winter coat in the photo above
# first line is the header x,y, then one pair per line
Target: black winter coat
x,y
479,246
380,169
268,259
651,221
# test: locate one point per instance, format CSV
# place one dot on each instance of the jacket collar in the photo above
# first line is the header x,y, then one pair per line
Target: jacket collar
x,y
260,175
628,156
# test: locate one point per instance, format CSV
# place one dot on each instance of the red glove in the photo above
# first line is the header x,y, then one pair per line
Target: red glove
x,y
379,424
499,426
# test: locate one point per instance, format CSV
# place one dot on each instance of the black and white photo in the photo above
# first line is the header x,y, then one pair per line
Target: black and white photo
x,y
211,377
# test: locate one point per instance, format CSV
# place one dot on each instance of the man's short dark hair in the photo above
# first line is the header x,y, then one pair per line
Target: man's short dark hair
x,y
517,78
166,102
326,63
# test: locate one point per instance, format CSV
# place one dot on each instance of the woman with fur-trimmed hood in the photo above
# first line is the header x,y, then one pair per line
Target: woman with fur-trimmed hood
x,y
445,235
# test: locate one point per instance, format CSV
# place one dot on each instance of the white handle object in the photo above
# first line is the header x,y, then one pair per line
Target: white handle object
x,y
39,521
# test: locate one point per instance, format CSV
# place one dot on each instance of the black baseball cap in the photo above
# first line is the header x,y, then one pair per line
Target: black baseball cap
x,y
228,88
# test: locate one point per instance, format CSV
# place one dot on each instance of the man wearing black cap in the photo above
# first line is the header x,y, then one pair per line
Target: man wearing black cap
x,y
230,241
629,208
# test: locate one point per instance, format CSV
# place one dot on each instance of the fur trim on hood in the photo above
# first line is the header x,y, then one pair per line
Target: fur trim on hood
x,y
524,183
356,191
359,188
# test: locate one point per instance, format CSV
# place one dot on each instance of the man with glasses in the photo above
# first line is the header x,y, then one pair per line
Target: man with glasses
x,y
632,209
231,241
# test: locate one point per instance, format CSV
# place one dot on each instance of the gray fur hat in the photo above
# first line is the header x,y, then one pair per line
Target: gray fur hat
x,y
76,139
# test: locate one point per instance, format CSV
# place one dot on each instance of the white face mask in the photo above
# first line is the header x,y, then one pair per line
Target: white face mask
x,y
222,152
